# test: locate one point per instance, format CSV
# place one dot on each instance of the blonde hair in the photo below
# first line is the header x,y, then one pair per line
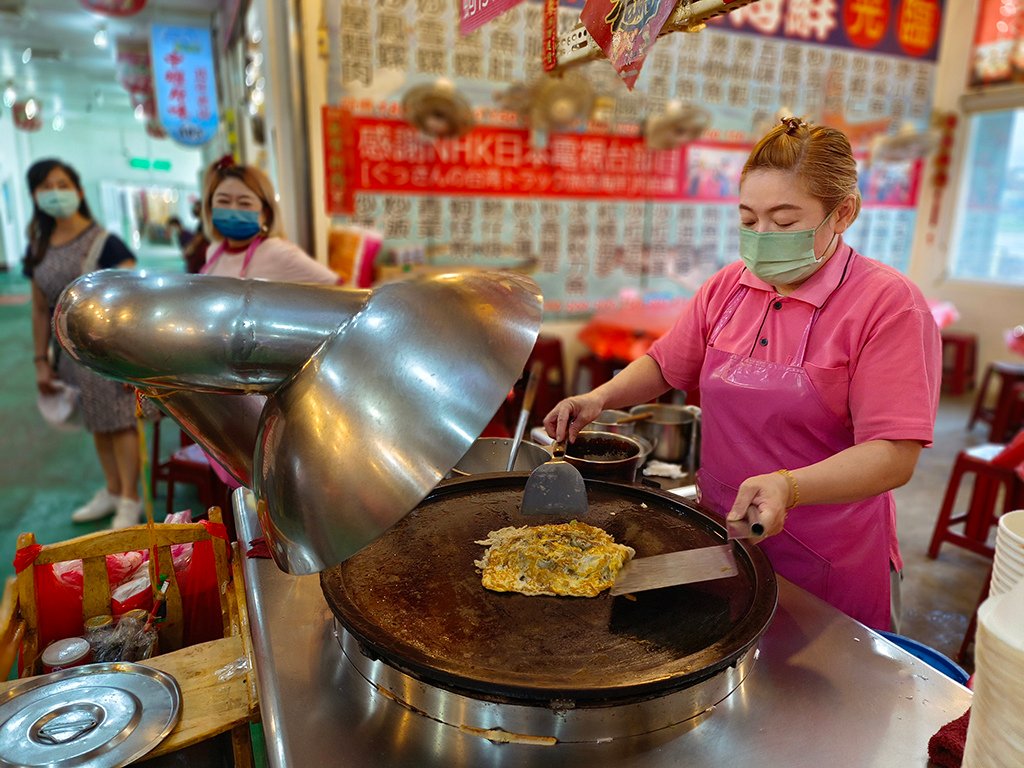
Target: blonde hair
x,y
254,179
820,156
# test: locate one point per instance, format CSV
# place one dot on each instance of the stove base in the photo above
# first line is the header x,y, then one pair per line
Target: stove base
x,y
561,722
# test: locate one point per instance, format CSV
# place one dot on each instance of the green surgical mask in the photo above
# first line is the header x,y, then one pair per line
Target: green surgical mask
x,y
781,258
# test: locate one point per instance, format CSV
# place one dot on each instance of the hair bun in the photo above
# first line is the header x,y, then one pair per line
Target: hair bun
x,y
793,124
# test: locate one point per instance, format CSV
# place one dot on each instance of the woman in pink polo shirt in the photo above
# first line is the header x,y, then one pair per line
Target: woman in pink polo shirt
x,y
243,222
818,370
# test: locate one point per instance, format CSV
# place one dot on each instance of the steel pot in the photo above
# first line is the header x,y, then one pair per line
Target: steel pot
x,y
604,456
673,430
490,454
608,420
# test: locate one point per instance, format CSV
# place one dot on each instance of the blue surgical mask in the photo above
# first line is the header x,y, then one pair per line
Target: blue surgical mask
x,y
59,203
781,258
235,224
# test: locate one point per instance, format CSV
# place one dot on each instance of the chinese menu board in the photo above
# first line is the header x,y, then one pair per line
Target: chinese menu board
x,y
497,197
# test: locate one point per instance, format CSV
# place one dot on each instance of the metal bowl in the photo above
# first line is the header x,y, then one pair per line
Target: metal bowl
x,y
490,454
604,456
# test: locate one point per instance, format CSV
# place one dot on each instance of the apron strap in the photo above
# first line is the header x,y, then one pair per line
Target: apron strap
x,y
727,313
220,252
798,361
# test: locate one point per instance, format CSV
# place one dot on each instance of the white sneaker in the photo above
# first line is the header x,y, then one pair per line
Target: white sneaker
x,y
129,512
102,504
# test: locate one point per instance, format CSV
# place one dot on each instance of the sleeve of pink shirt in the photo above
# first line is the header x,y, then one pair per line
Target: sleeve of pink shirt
x,y
894,385
284,261
680,352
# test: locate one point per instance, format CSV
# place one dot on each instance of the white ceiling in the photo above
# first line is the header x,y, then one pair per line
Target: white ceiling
x,y
66,68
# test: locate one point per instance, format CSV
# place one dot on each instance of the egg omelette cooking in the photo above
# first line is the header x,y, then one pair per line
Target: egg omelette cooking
x,y
569,559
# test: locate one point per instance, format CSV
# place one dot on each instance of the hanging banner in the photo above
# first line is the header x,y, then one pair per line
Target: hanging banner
x,y
370,154
900,27
476,13
625,30
183,76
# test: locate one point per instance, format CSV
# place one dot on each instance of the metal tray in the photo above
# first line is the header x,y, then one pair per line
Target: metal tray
x,y
97,715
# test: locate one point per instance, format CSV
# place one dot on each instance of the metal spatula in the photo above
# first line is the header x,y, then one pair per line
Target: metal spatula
x,y
674,568
555,488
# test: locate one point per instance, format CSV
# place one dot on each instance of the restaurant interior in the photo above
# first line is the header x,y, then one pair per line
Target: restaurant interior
x,y
518,199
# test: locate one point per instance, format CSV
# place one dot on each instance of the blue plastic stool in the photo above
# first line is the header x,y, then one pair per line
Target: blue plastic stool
x,y
929,656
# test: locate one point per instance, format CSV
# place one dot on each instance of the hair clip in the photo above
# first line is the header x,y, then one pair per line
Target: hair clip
x,y
792,124
227,161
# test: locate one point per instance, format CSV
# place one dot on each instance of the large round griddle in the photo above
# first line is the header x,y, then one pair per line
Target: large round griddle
x,y
414,599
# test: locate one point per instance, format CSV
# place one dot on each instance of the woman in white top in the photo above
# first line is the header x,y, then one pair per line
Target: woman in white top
x,y
241,218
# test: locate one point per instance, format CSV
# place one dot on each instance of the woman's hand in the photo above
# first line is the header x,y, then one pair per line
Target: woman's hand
x,y
45,378
571,415
770,495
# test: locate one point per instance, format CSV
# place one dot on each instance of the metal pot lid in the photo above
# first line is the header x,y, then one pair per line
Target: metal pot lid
x,y
414,599
96,715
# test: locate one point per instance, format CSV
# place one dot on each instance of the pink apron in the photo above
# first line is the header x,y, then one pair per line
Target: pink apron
x,y
220,252
760,416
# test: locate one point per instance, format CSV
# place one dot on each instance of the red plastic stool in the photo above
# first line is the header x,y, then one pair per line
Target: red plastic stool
x,y
190,465
994,467
959,358
1000,416
972,626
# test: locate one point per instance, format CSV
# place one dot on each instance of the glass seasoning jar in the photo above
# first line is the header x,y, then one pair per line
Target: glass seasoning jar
x,y
135,644
69,652
99,632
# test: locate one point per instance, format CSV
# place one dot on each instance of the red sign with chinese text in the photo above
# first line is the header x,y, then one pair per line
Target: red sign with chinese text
x,y
377,155
899,27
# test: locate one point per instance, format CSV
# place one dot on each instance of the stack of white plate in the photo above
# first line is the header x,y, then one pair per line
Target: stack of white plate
x,y
1008,567
995,736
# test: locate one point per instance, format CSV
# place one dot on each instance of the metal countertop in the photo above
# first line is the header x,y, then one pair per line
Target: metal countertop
x,y
825,691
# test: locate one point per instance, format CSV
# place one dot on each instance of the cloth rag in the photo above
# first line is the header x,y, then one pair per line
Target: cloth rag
x,y
664,469
946,747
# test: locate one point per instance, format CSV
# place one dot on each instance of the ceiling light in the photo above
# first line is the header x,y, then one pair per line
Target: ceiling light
x,y
100,38
10,95
140,113
26,56
58,122
31,109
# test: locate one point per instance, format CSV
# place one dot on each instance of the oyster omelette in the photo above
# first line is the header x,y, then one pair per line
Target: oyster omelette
x,y
569,559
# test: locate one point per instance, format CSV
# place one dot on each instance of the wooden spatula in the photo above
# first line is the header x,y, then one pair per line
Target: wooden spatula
x,y
555,488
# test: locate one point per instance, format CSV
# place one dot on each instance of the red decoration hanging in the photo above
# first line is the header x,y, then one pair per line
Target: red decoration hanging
x,y
117,8
946,124
22,121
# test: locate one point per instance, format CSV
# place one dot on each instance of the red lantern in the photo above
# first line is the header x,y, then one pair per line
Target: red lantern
x,y
117,8
28,115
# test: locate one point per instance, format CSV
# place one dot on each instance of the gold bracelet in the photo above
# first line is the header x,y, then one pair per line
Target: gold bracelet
x,y
794,487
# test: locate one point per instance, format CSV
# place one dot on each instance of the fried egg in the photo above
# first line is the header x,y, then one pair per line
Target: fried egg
x,y
571,559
